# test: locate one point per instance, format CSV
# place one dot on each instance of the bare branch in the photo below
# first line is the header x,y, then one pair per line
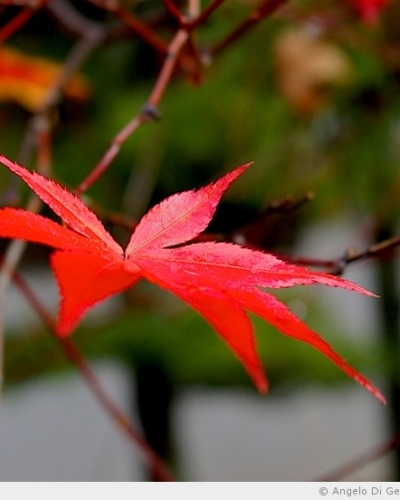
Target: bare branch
x,y
16,23
142,30
148,112
267,8
203,17
337,266
363,460
77,359
173,9
38,136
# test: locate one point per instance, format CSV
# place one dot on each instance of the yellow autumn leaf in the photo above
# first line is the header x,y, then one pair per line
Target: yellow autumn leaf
x,y
26,79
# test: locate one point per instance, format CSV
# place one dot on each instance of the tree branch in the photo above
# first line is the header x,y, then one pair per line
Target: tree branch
x,y
267,8
148,112
77,359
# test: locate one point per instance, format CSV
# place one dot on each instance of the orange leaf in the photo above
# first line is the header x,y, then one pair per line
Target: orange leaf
x,y
26,80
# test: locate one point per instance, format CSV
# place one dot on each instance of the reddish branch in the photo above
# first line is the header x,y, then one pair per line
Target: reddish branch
x,y
147,113
15,24
188,22
337,266
173,9
267,8
203,17
159,469
32,4
173,56
363,460
141,29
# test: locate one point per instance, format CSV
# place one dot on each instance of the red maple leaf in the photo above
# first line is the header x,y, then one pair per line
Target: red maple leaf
x,y
220,280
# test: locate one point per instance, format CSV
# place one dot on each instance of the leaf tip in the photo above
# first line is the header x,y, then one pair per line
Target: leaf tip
x,y
244,167
371,388
263,387
259,380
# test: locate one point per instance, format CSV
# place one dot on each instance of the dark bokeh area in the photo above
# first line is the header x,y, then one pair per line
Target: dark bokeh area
x,y
312,97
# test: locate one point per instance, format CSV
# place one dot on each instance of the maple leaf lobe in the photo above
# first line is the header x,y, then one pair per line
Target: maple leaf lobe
x,y
66,205
181,217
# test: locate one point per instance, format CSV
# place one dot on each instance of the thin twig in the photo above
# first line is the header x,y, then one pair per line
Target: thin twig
x,y
141,29
38,136
159,469
267,8
72,20
16,23
363,460
32,4
173,9
203,17
12,257
148,112
337,266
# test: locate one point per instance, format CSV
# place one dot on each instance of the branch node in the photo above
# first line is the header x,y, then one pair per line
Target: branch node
x,y
151,111
341,263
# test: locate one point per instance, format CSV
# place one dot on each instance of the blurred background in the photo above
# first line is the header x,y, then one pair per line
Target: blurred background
x,y
312,96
